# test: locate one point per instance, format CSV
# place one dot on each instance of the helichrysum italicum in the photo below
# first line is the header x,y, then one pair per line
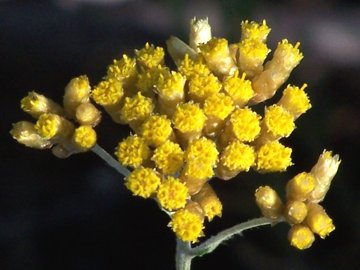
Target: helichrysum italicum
x,y
194,122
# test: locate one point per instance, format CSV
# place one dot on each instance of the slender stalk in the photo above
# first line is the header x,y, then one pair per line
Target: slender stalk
x,y
209,245
183,258
98,150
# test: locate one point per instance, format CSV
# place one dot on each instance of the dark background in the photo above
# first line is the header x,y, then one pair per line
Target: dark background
x,y
76,213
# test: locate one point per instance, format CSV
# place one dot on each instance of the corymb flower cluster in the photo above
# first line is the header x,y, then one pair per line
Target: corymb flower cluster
x,y
193,124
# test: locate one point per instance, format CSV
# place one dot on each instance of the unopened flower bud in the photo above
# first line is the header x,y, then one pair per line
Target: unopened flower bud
x,y
295,211
318,220
323,172
25,133
200,32
299,187
301,237
87,114
269,202
209,202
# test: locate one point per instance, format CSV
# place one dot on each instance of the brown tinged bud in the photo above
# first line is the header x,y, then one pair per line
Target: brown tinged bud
x,y
269,202
318,221
209,202
87,114
299,187
295,212
25,133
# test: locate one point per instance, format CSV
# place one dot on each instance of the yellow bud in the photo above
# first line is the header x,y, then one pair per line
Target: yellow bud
x,y
318,221
172,194
54,127
132,151
84,137
87,114
77,92
301,237
299,187
269,202
150,56
273,157
156,130
295,212
239,89
295,100
209,202
168,157
25,133
143,182
254,30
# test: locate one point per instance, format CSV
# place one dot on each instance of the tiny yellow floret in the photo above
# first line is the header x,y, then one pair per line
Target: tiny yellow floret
x,y
190,68
143,182
301,237
48,125
218,105
291,54
319,221
108,92
172,194
171,85
279,122
251,49
188,117
132,151
168,157
187,225
156,130
150,56
36,104
239,89
123,68
137,107
148,78
85,137
202,150
245,124
209,202
238,156
273,157
254,30
295,100
201,87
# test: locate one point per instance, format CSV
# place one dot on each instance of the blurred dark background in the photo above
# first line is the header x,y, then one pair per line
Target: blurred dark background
x,y
76,213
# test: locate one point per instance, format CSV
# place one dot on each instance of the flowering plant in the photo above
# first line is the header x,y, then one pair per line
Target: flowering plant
x,y
192,124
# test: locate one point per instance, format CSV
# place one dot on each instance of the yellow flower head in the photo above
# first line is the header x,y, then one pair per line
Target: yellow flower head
x,y
196,170
190,68
215,48
238,156
301,237
132,151
209,202
300,186
245,124
156,130
273,157
85,137
319,221
36,104
148,78
171,85
188,117
201,87
288,54
48,125
137,107
279,122
202,150
239,89
143,182
150,56
253,49
168,157
172,194
187,225
122,69
254,30
25,133
295,100
218,105
107,92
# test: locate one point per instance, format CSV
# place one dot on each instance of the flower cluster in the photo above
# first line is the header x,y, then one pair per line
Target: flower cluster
x,y
301,210
192,124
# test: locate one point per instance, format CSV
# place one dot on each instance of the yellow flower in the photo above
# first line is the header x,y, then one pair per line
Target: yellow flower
x,y
132,151
239,89
202,150
190,68
156,130
108,92
301,237
150,56
209,202
85,137
295,100
25,133
237,156
123,68
187,225
245,124
143,182
201,87
137,107
172,194
168,157
188,117
36,104
318,220
50,125
218,105
273,157
278,121
171,85
254,30
300,186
